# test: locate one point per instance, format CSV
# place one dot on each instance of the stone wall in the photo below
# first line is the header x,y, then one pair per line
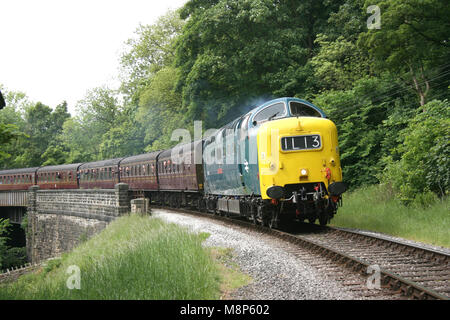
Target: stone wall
x,y
59,219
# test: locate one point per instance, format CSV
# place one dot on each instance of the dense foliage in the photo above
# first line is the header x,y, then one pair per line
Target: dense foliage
x,y
9,256
385,88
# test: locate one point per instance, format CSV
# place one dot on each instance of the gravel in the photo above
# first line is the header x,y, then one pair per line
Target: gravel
x,y
277,273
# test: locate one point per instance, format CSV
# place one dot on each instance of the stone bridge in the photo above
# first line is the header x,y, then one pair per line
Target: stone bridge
x,y
57,220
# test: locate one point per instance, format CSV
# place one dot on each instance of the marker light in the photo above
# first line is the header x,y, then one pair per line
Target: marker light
x,y
304,172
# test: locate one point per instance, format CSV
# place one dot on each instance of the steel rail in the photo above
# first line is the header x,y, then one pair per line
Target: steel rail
x,y
389,279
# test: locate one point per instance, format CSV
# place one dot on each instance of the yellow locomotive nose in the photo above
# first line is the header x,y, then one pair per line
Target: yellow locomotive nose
x,y
296,151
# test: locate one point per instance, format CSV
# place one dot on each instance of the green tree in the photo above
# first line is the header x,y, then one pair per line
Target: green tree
x,y
161,110
149,51
9,257
360,114
232,53
11,126
98,113
42,126
151,107
4,224
8,133
424,154
413,42
339,63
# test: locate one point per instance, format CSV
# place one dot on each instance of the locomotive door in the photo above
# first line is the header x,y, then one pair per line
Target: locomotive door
x,y
244,155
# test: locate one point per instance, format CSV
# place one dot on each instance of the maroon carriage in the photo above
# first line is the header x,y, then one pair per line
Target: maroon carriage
x,y
58,177
178,170
17,179
180,177
100,174
139,172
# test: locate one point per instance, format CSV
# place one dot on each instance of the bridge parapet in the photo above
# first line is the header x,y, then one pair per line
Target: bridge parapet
x,y
59,219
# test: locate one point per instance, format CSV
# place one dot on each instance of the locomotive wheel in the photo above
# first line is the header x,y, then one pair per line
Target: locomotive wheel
x,y
254,219
273,218
273,223
260,216
312,220
323,218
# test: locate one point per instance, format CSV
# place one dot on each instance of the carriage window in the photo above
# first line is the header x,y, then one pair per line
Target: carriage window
x,y
274,111
302,110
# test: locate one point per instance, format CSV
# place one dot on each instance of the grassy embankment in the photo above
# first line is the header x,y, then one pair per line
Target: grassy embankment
x,y
135,257
374,208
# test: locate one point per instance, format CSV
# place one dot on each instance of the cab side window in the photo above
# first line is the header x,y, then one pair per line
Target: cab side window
x,y
274,111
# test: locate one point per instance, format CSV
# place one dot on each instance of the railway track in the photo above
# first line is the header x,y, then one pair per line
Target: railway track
x,y
401,270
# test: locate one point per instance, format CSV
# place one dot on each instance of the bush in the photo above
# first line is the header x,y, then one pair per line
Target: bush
x,y
9,257
424,155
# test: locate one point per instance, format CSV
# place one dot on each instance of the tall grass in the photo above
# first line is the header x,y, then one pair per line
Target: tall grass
x,y
374,208
134,258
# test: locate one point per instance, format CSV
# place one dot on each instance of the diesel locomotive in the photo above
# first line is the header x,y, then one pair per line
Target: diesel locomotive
x,y
280,161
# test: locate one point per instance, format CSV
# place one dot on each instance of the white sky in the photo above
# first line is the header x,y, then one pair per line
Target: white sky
x,y
55,50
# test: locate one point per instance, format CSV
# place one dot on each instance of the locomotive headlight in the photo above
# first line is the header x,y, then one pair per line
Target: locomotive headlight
x,y
303,172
